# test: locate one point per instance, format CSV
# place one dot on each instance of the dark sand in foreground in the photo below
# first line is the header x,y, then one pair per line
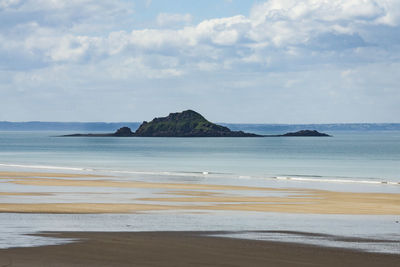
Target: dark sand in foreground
x,y
184,249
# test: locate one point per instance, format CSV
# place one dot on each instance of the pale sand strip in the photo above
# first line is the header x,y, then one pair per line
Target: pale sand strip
x,y
298,201
135,184
324,203
191,193
231,199
315,201
81,208
315,208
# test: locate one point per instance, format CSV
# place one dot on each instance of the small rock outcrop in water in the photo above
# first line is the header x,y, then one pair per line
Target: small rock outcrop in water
x,y
305,133
186,124
124,132
121,132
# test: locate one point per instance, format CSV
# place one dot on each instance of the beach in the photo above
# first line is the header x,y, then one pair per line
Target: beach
x,y
191,202
55,201
196,197
199,133
183,249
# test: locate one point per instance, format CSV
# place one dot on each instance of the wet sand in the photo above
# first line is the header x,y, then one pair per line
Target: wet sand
x,y
137,184
196,197
183,249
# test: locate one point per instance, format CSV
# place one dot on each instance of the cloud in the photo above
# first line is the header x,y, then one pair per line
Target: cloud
x,y
73,16
282,25
326,11
98,45
291,22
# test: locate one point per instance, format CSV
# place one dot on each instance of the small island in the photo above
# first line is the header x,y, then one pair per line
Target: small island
x,y
187,123
302,133
180,124
121,132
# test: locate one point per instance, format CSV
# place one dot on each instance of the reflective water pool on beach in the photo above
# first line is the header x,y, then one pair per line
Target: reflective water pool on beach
x,y
369,233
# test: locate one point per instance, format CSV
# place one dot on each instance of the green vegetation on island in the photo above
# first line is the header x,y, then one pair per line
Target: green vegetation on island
x,y
188,123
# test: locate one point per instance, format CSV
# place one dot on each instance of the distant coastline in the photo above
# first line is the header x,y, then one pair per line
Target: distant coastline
x,y
256,128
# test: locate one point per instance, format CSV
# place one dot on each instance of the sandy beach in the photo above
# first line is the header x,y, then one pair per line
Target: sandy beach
x,y
195,197
44,197
183,249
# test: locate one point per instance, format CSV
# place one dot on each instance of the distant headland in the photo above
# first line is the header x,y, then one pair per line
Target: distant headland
x,y
187,123
304,133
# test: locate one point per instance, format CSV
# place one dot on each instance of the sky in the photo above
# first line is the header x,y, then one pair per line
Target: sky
x,y
275,61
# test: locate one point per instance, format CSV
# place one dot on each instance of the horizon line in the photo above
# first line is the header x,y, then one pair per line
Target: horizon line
x,y
253,123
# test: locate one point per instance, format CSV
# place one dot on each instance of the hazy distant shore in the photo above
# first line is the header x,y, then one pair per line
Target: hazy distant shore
x,y
260,128
183,249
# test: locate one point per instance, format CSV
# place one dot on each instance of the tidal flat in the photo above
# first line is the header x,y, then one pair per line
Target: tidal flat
x,y
32,203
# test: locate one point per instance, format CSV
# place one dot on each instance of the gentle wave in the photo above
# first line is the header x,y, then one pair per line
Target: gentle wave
x,y
168,173
299,178
46,167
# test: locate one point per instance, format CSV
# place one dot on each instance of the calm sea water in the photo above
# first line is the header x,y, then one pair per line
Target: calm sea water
x,y
368,161
348,156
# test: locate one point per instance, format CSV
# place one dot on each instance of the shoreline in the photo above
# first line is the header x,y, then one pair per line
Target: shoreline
x,y
141,204
183,249
158,196
70,172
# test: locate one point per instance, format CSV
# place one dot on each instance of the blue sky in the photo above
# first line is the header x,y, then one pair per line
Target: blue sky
x,y
276,61
200,10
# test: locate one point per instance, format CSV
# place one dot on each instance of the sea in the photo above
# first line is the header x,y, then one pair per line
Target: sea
x,y
351,160
347,156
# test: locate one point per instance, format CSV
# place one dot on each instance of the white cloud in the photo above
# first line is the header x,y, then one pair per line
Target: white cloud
x,y
291,21
225,31
96,44
283,24
332,10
